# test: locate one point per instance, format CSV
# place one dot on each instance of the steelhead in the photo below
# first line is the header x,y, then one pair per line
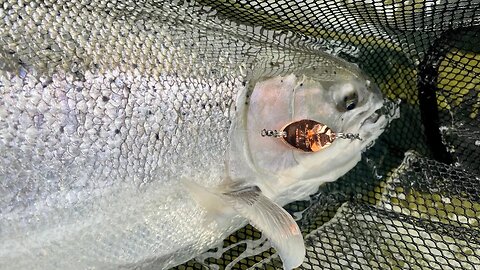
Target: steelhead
x,y
133,135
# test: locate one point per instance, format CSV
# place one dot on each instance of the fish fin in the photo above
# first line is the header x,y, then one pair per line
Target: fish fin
x,y
272,220
210,201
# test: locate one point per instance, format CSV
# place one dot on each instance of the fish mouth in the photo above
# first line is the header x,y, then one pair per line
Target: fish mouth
x,y
373,125
389,109
373,118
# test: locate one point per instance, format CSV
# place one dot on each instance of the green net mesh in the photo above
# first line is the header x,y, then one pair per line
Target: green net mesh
x,y
412,203
413,200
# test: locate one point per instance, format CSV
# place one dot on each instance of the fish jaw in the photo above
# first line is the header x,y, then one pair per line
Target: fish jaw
x,y
289,174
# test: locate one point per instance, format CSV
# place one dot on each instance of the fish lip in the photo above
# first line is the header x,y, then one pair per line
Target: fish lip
x,y
380,118
369,117
388,108
373,118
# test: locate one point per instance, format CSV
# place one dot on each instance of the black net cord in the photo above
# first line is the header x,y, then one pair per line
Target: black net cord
x,y
427,88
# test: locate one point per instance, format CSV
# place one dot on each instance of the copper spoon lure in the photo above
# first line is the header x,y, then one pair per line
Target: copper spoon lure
x,y
308,135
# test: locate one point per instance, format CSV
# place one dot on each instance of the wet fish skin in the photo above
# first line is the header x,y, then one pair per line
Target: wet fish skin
x,y
54,179
97,126
105,108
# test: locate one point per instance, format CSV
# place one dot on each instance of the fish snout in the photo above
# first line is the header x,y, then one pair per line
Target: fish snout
x,y
373,118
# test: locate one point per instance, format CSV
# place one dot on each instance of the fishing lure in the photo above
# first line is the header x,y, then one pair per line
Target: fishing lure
x,y
308,135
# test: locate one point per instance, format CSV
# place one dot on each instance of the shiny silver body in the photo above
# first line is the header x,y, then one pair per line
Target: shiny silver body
x,y
103,113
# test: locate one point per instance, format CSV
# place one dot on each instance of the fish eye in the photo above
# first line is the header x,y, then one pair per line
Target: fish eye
x,y
350,106
350,101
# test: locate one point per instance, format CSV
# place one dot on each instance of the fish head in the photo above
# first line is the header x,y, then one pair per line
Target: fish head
x,y
349,103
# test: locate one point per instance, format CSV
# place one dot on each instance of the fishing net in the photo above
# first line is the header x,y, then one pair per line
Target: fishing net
x,y
413,202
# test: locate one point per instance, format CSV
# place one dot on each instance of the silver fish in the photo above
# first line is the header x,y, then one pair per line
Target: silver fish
x,y
130,136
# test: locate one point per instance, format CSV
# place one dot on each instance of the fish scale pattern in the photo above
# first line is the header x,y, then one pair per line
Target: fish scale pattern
x,y
91,108
411,203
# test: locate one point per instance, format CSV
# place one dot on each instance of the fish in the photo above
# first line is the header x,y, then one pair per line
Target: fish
x,y
131,135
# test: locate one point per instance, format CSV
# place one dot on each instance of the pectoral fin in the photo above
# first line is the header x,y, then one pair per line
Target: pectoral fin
x,y
280,228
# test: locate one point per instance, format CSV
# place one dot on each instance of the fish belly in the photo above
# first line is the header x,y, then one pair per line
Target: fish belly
x,y
91,168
